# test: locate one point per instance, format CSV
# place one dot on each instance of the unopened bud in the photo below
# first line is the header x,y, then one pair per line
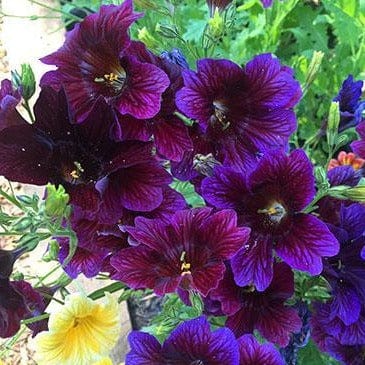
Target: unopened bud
x,y
333,123
167,30
343,192
216,24
313,69
56,201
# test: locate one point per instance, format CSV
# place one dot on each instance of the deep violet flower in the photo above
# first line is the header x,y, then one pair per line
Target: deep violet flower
x,y
188,252
243,111
9,99
92,167
15,305
96,242
359,146
349,103
191,343
7,260
96,61
253,353
345,272
270,201
249,309
170,134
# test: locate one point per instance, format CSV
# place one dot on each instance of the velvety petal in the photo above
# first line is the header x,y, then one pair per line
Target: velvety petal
x,y
277,323
343,175
9,99
294,174
141,268
171,137
270,84
83,261
253,353
346,305
349,94
146,85
353,220
25,155
133,129
145,350
225,188
253,264
138,187
193,341
359,147
84,196
196,98
207,278
353,334
307,242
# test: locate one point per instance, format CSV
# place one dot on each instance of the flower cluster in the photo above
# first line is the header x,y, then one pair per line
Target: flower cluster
x,y
110,127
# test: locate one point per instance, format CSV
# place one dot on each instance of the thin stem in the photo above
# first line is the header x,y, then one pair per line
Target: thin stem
x,y
75,17
10,198
35,319
112,288
41,280
29,110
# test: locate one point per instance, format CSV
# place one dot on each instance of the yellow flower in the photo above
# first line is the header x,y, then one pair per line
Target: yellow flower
x,y
81,333
103,361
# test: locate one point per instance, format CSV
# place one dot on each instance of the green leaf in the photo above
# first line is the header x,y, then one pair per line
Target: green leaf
x,y
310,355
189,193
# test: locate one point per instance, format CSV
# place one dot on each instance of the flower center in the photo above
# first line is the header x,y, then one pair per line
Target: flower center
x,y
205,164
114,80
73,174
185,266
275,212
220,113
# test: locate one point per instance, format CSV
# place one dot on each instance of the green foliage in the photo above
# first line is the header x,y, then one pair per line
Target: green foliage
x,y
310,355
187,190
173,313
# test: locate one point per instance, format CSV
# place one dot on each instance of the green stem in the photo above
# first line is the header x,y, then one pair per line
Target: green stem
x,y
319,196
29,110
10,233
112,288
35,319
11,199
75,17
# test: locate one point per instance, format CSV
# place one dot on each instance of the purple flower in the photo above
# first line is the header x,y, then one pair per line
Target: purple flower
x,y
13,305
96,60
243,111
270,201
96,242
187,252
249,309
349,102
9,99
92,167
170,133
345,272
359,146
253,353
191,343
7,260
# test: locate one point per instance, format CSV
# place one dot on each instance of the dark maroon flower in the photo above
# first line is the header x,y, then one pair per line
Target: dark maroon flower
x,y
253,353
13,305
270,201
249,309
187,252
243,111
91,166
345,272
96,60
191,343
7,259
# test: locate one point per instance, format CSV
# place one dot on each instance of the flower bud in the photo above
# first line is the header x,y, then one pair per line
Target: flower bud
x,y
25,81
56,201
167,30
52,252
333,123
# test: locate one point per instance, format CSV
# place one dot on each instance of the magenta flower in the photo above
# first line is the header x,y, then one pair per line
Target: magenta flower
x,y
83,158
96,61
217,4
191,343
243,111
253,353
270,201
249,309
187,252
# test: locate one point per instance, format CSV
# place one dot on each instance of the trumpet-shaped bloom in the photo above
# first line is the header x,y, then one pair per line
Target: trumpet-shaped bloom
x,y
96,61
243,111
249,309
83,158
187,252
270,201
81,332
192,342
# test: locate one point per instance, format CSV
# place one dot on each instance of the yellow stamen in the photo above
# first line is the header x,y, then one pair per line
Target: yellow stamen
x,y
74,174
185,266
